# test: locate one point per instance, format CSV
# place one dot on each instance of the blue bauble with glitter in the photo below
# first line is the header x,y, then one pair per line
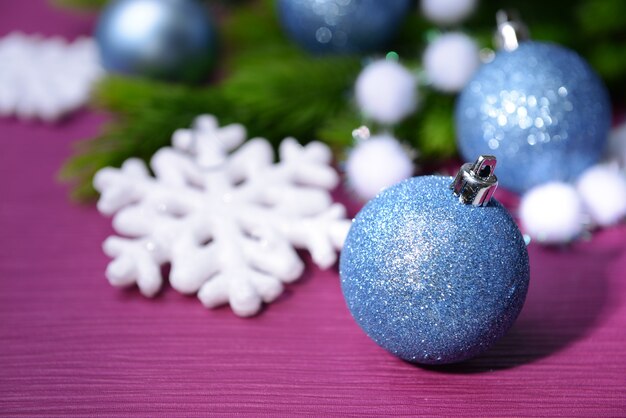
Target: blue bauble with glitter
x,y
163,39
540,109
342,26
430,279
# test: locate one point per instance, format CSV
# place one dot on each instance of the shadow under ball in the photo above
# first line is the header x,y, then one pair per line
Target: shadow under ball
x,y
171,40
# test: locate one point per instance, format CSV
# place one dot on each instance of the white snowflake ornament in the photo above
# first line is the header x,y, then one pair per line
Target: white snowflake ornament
x,y
225,216
46,78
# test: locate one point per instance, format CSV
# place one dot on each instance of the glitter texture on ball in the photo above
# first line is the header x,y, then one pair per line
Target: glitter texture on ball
x,y
540,109
163,39
432,280
342,26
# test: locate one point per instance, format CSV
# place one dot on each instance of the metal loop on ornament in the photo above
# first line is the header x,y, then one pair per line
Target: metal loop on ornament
x,y
511,30
476,182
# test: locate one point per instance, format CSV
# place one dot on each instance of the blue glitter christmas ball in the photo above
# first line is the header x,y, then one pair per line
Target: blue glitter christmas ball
x,y
164,39
342,26
540,109
430,279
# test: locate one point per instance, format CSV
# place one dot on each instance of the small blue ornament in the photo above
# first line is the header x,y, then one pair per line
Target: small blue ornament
x,y
165,39
339,26
540,109
431,277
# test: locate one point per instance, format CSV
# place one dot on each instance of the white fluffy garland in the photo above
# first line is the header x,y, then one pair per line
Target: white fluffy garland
x,y
602,189
556,213
375,164
386,91
225,216
450,61
447,12
552,213
45,78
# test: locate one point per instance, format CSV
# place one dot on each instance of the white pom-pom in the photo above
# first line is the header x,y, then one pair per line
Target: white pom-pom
x,y
602,189
451,60
552,213
616,147
375,164
447,12
386,91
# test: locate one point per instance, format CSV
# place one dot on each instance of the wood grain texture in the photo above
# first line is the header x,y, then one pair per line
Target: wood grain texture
x,y
72,345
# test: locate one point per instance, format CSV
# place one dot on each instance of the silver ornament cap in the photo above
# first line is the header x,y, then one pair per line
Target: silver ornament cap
x,y
511,30
476,182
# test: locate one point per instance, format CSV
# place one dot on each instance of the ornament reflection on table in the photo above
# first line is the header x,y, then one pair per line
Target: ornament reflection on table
x,y
165,39
539,108
342,26
435,275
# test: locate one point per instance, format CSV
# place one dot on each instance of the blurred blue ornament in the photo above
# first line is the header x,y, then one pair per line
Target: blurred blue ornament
x,y
343,26
540,109
164,39
430,279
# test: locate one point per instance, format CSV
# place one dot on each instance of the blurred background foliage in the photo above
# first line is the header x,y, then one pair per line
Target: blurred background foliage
x,y
276,90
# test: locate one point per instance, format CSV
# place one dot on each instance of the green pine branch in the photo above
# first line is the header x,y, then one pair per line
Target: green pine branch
x,y
276,90
80,4
290,96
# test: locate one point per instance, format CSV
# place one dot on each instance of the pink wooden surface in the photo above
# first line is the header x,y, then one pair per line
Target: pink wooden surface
x,y
72,345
